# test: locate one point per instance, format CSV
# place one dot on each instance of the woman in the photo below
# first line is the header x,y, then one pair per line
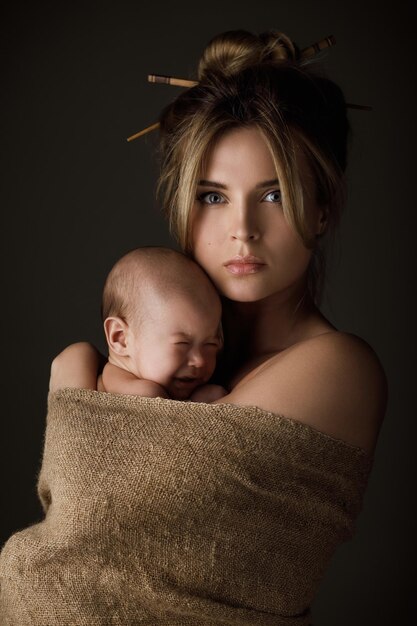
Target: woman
x,y
197,514
251,186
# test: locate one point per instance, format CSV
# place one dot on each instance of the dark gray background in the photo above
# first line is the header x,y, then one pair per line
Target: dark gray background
x,y
75,196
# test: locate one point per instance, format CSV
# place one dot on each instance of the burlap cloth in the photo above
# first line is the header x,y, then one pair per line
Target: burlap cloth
x,y
166,512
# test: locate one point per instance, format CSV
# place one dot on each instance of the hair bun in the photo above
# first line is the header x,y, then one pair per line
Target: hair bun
x,y
235,50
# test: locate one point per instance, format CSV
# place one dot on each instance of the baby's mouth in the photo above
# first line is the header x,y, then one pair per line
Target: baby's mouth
x,y
187,380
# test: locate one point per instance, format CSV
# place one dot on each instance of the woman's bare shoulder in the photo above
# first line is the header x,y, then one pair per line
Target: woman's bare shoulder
x,y
334,382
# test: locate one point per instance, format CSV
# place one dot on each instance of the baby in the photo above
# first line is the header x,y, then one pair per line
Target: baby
x,y
162,321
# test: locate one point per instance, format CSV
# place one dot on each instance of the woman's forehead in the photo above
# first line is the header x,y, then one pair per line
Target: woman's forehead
x,y
237,148
243,154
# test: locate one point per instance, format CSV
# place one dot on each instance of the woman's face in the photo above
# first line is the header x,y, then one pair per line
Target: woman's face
x,y
240,235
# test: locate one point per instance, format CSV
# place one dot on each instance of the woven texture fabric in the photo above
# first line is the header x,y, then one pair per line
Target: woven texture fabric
x,y
179,513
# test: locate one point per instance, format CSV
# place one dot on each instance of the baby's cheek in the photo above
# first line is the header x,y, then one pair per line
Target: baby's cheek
x,y
212,366
158,369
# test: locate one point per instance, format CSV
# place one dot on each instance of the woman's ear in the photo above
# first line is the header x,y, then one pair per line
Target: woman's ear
x,y
115,330
322,221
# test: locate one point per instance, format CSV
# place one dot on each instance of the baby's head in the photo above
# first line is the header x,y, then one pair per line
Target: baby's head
x,y
162,319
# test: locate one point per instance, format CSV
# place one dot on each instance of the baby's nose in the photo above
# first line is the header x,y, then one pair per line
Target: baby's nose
x,y
196,358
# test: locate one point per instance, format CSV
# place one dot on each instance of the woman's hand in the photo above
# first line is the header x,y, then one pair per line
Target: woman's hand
x,y
76,366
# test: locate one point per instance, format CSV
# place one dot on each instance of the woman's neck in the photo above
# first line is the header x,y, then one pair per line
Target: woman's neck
x,y
255,331
272,324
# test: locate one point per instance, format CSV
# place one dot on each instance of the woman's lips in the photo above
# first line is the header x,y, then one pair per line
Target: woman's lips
x,y
244,265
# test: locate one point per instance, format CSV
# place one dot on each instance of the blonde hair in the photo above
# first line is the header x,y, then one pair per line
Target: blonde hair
x,y
257,80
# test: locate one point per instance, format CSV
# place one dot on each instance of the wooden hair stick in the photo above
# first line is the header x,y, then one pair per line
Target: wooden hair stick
x,y
143,132
171,80
317,47
306,53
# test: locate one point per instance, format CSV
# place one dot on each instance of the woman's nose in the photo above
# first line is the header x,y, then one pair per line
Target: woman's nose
x,y
245,226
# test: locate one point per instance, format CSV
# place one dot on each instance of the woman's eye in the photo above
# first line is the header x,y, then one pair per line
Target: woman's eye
x,y
211,197
273,196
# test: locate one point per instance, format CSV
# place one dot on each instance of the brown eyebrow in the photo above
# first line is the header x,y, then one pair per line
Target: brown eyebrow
x,y
212,183
268,183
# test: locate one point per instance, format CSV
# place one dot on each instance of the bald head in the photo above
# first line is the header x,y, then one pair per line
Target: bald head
x,y
151,274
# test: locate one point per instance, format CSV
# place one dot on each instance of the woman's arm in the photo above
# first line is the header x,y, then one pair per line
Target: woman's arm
x,y
76,366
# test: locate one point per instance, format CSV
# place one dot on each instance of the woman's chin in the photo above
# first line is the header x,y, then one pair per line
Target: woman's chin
x,y
244,292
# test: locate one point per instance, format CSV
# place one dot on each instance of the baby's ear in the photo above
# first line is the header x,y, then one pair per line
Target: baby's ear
x,y
115,330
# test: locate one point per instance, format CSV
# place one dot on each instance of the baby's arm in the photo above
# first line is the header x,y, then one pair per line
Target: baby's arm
x,y
115,379
208,393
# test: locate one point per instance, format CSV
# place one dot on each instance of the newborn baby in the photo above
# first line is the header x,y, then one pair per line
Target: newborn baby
x,y
162,321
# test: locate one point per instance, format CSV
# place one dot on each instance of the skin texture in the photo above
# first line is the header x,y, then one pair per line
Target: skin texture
x,y
243,219
170,353
294,362
281,353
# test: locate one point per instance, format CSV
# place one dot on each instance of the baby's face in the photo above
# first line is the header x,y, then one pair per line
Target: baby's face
x,y
176,345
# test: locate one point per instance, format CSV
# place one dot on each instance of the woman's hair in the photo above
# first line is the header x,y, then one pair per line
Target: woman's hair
x,y
262,81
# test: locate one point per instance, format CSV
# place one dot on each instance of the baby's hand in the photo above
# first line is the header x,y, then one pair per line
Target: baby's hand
x,y
208,393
